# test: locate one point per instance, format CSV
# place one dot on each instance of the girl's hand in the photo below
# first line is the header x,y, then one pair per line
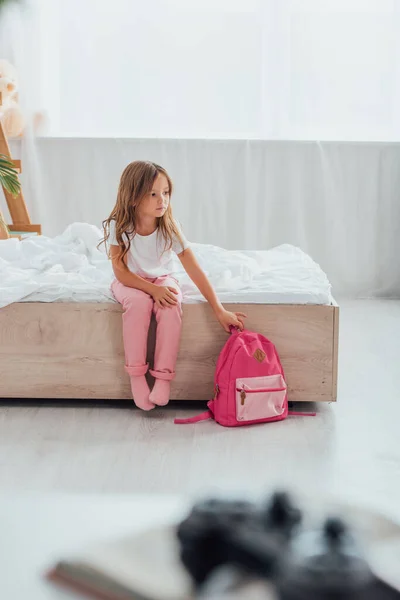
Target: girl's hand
x,y
228,319
165,296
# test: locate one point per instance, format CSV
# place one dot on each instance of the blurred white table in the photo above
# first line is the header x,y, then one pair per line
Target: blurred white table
x,y
37,530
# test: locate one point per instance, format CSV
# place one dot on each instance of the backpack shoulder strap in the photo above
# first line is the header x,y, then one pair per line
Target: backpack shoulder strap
x,y
202,417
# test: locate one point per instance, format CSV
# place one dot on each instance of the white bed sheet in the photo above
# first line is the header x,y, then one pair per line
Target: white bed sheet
x,y
70,268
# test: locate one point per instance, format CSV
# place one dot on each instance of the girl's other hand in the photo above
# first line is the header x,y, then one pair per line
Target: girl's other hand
x,y
230,319
165,296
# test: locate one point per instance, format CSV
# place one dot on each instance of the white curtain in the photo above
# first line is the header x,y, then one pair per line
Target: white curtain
x,y
258,69
339,202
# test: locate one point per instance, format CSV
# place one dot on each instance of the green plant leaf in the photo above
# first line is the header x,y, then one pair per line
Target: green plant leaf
x,y
7,167
9,176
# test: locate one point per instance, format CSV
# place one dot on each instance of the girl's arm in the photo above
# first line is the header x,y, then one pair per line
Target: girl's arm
x,y
199,278
163,296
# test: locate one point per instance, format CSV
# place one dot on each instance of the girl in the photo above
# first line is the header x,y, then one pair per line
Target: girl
x,y
142,236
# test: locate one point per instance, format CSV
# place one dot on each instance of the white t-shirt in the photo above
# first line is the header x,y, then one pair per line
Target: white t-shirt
x,y
146,256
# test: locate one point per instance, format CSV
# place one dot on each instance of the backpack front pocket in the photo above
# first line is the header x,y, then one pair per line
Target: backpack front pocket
x,y
260,397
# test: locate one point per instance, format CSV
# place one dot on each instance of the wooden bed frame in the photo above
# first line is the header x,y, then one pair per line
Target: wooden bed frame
x,y
74,350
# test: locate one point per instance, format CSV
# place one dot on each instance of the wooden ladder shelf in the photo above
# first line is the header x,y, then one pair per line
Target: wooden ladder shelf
x,y
21,222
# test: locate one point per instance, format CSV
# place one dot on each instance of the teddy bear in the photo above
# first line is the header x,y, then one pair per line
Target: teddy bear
x,y
11,115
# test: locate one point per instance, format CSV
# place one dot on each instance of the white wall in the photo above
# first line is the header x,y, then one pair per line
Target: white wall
x,y
231,69
340,202
248,69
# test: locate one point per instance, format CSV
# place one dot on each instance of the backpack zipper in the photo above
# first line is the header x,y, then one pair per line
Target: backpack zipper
x,y
243,393
260,391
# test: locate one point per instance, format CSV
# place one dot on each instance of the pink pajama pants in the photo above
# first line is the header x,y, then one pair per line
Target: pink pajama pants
x,y
138,308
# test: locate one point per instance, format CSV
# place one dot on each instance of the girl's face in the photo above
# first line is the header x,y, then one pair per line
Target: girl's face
x,y
156,202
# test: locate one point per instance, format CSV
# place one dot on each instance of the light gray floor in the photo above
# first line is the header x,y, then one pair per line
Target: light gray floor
x,y
351,447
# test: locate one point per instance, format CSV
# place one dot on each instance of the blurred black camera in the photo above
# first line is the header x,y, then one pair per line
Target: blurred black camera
x,y
225,543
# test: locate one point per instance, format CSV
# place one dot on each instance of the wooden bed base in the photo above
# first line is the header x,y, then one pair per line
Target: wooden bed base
x,y
74,350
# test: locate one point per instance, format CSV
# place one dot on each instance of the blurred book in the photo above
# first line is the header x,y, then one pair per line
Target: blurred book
x,y
145,566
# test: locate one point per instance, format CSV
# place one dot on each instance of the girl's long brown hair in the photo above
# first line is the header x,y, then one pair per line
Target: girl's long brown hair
x,y
136,182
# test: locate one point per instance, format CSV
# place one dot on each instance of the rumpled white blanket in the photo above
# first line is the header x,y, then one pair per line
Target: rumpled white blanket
x,y
70,268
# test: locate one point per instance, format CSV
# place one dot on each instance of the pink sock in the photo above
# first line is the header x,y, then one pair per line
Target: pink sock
x,y
160,393
141,393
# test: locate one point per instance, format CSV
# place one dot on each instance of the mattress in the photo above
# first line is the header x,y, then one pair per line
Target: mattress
x,y
70,268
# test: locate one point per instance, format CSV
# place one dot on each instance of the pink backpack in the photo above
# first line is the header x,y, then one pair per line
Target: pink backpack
x,y
250,384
